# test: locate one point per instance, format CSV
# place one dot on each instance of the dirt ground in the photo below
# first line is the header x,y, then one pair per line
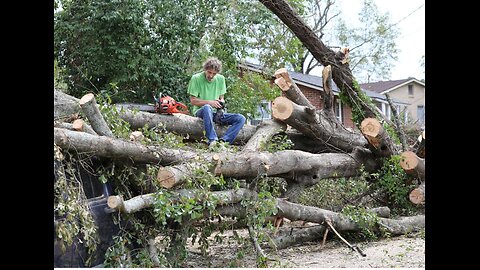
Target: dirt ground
x,y
394,252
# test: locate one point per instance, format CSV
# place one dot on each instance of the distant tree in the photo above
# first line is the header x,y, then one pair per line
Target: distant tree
x,y
372,45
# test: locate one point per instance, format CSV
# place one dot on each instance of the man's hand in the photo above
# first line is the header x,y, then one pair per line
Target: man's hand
x,y
215,104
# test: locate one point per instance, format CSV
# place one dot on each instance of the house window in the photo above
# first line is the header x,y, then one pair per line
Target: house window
x,y
338,110
263,112
421,114
410,89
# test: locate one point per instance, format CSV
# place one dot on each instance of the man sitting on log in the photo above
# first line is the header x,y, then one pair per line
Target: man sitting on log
x,y
207,90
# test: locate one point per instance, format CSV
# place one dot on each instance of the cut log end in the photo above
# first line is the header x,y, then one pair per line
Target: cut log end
x,y
417,196
86,98
136,136
284,85
114,202
371,127
166,178
408,161
280,72
78,124
282,108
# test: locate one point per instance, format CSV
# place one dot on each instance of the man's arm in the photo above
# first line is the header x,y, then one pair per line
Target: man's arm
x,y
200,102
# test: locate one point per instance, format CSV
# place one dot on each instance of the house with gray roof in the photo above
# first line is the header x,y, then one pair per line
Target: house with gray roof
x,y
310,85
411,91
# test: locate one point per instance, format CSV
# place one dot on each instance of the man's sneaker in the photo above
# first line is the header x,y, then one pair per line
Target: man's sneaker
x,y
212,144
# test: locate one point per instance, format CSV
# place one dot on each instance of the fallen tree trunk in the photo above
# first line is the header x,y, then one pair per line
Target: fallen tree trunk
x,y
263,134
296,236
296,165
290,164
144,201
316,125
286,209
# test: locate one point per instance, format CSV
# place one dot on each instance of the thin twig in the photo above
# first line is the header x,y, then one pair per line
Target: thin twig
x,y
353,247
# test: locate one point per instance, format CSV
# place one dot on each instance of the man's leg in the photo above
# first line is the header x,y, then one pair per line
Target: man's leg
x,y
206,113
236,121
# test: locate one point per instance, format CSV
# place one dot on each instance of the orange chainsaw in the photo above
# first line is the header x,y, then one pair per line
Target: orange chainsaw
x,y
165,104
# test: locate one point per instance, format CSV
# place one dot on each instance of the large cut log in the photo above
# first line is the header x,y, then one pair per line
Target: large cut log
x,y
377,137
81,142
316,126
413,165
290,88
91,110
299,166
341,73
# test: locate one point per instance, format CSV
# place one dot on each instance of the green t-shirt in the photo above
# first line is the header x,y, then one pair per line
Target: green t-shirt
x,y
201,88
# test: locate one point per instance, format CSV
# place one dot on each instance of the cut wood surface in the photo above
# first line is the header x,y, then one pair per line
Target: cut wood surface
x,y
417,195
290,88
377,137
413,165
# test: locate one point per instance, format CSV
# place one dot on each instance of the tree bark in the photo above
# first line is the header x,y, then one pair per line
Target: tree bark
x,y
115,148
65,106
341,222
91,110
140,202
317,126
312,233
264,133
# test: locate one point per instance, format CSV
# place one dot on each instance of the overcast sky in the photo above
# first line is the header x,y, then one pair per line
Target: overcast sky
x,y
411,41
